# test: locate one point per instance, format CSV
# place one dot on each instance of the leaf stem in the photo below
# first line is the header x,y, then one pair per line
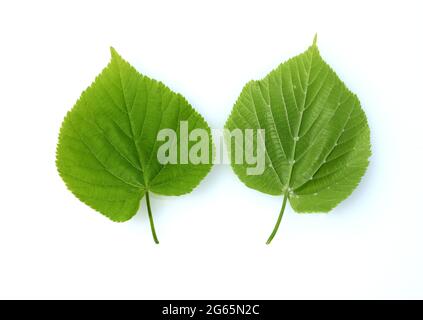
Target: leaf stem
x,y
275,229
150,217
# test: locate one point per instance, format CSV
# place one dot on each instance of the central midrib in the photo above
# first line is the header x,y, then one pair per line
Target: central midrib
x,y
296,137
131,126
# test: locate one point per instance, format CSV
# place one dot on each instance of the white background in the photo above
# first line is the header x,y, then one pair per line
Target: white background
x,y
212,240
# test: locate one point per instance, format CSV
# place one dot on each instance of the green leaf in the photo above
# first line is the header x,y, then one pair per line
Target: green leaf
x,y
107,149
317,140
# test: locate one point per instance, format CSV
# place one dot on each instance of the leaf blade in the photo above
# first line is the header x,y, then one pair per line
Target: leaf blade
x,y
317,136
107,149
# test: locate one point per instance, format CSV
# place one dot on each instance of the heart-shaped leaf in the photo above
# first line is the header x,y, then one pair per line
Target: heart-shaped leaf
x,y
108,144
316,137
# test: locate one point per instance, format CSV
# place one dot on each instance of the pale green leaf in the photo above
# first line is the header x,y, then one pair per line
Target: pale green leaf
x,y
317,139
107,150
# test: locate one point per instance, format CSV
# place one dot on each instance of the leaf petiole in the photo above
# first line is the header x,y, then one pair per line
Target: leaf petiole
x,y
275,229
150,217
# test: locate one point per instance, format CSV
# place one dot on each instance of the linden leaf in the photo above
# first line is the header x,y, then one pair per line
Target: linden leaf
x,y
108,143
317,140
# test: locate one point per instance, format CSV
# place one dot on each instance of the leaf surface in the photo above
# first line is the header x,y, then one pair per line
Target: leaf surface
x,y
317,140
107,149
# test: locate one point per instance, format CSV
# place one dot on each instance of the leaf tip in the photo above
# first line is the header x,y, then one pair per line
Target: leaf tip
x,y
315,40
113,52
